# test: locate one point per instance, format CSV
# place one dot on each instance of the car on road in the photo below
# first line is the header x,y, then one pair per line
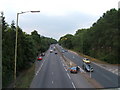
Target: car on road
x,y
66,50
51,51
42,54
55,52
74,69
86,60
39,58
63,51
87,67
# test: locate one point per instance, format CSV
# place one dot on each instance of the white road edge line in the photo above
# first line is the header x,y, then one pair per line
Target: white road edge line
x,y
40,68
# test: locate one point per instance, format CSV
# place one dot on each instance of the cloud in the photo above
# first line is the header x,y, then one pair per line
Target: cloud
x,y
55,26
57,17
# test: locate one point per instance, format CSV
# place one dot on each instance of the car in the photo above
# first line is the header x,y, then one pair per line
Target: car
x,y
55,52
54,49
66,50
87,67
42,54
86,60
51,51
39,58
63,51
74,69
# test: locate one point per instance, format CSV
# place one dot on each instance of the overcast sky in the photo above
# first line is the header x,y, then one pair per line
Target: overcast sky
x,y
56,17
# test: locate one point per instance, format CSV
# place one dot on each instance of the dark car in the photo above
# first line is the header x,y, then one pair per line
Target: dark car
x,y
66,50
55,52
42,54
74,69
87,67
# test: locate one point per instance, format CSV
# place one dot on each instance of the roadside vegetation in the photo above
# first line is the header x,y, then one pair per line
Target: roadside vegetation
x,y
100,40
29,46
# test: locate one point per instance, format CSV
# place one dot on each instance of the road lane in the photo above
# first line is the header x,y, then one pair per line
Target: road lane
x,y
105,78
51,75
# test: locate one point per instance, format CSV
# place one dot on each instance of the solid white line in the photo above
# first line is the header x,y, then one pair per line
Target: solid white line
x,y
73,85
40,68
68,76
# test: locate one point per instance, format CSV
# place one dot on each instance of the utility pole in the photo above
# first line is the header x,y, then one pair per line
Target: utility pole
x,y
15,61
1,18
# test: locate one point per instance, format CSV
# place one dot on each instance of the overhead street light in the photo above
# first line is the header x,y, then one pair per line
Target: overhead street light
x,y
16,43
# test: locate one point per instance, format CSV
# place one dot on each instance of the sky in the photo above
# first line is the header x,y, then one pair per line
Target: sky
x,y
56,17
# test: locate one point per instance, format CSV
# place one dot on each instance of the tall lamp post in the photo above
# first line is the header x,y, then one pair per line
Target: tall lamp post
x,y
16,43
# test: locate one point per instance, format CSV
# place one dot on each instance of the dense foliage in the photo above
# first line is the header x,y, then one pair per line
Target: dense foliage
x,y
100,40
29,46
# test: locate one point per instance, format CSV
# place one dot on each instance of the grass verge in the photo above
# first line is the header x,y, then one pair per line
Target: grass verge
x,y
91,58
26,78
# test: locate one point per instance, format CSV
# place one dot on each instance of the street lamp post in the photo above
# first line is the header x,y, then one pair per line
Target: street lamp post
x,y
16,43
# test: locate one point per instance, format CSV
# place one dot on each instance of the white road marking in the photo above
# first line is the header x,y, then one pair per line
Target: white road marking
x,y
52,73
52,82
65,69
73,85
69,76
81,70
40,68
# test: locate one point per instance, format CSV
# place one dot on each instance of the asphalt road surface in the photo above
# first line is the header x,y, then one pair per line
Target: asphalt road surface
x,y
106,78
51,73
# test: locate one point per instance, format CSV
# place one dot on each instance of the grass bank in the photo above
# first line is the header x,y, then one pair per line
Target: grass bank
x,y
26,78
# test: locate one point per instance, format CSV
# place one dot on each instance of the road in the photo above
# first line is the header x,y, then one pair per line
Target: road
x,y
51,73
106,78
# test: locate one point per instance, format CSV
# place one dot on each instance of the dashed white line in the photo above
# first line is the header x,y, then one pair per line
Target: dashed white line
x,y
81,69
52,82
73,85
52,73
69,76
65,69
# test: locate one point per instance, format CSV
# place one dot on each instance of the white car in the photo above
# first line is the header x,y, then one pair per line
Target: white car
x,y
51,51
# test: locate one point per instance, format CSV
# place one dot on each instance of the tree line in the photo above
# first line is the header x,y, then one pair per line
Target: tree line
x,y
29,46
100,40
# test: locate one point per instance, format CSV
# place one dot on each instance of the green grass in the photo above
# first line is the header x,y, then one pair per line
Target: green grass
x,y
25,80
